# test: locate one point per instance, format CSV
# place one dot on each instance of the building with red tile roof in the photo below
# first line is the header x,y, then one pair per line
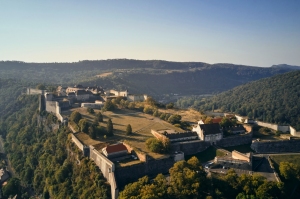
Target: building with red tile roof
x,y
115,150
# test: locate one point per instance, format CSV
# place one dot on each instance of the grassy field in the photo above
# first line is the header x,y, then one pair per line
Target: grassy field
x,y
265,134
141,127
207,155
188,115
295,159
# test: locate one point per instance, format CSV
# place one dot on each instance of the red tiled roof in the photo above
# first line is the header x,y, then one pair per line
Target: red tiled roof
x,y
216,120
115,148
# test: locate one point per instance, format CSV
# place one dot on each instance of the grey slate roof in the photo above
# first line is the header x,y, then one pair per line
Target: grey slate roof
x,y
209,129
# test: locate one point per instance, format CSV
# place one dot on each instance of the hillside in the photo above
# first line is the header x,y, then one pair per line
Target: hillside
x,y
274,99
154,77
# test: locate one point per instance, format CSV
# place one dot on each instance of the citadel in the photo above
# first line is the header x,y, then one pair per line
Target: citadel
x,y
201,137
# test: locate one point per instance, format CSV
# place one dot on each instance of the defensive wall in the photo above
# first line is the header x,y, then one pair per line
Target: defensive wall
x,y
134,98
53,107
241,156
77,142
107,168
157,135
151,168
105,165
142,156
280,146
235,140
276,127
293,132
45,103
190,147
273,126
32,91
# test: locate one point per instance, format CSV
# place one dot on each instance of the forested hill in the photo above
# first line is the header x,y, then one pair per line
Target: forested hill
x,y
153,77
274,99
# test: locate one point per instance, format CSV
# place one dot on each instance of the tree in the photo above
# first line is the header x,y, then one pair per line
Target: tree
x,y
158,145
226,122
41,87
154,145
208,120
90,110
12,187
92,132
289,170
174,119
109,127
150,101
108,106
83,125
148,110
131,105
170,105
75,117
128,129
184,182
156,113
99,116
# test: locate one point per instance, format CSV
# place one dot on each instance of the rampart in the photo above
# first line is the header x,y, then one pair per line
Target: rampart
x,y
132,173
77,142
247,128
107,168
235,140
273,126
190,147
241,156
53,107
157,135
32,91
280,146
133,98
293,132
142,156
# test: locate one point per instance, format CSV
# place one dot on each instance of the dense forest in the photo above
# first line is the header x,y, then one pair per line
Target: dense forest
x,y
44,161
274,100
153,77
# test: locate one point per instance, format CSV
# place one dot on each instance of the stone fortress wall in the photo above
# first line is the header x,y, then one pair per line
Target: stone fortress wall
x,y
32,91
152,167
280,146
105,165
235,140
142,156
190,147
46,103
53,107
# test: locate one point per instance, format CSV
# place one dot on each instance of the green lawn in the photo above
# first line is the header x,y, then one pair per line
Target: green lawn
x,y
207,155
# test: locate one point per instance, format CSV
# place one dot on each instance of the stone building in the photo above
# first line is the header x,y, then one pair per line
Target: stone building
x,y
115,150
209,132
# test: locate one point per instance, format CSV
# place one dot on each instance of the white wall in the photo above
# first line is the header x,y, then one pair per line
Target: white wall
x,y
294,132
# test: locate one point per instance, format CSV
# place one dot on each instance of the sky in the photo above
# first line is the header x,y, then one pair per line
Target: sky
x,y
248,32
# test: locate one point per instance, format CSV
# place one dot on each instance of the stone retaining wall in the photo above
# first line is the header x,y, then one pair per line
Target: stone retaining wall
x,y
281,146
235,140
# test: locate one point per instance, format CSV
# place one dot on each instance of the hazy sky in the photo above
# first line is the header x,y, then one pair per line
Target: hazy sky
x,y
250,32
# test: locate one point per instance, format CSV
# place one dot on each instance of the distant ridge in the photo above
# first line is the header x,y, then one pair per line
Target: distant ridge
x,y
274,100
154,77
286,66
